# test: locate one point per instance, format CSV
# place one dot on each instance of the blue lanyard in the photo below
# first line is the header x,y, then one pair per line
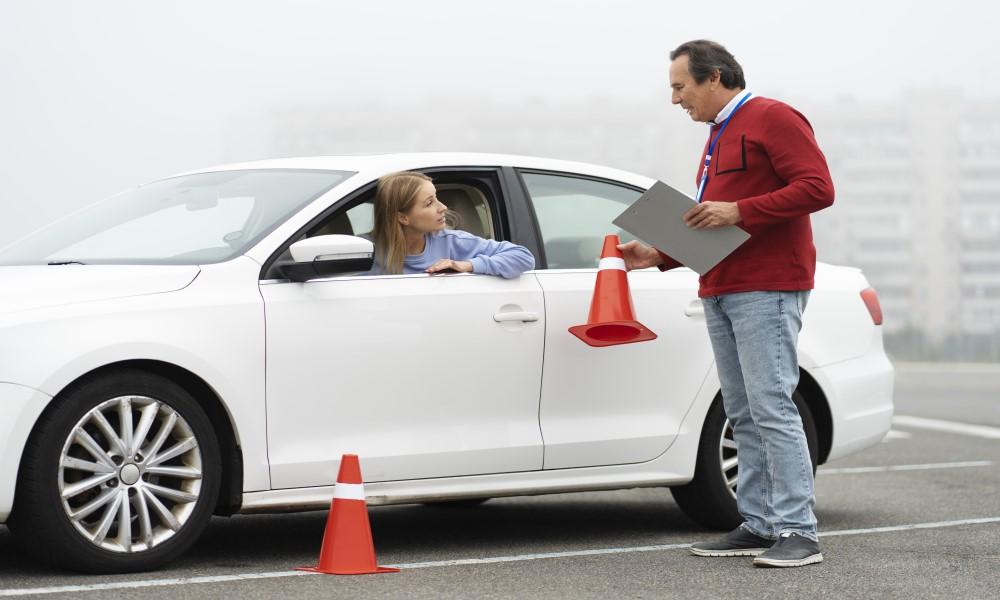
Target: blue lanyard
x,y
711,149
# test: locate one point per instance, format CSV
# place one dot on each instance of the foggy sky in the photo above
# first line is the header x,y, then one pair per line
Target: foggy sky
x,y
98,96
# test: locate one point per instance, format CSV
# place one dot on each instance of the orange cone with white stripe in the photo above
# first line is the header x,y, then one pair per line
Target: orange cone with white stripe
x,y
612,318
347,543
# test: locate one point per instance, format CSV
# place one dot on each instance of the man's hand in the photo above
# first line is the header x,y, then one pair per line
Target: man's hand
x,y
446,264
639,256
709,215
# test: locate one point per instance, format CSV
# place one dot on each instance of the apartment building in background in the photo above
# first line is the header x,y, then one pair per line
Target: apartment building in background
x,y
918,208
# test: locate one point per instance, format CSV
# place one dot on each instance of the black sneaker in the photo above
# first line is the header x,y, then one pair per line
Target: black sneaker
x,y
738,542
791,550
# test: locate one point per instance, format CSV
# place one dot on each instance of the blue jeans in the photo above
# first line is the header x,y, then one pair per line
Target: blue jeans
x,y
754,336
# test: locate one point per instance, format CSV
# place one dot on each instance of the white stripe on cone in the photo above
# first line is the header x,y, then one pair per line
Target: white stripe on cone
x,y
612,263
349,491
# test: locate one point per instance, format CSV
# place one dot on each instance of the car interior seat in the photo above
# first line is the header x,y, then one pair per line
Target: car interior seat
x,y
468,209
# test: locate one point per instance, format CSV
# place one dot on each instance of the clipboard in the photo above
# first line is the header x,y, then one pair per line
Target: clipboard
x,y
657,219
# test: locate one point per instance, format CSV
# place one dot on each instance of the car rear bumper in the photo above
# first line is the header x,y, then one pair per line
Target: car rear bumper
x,y
859,393
20,407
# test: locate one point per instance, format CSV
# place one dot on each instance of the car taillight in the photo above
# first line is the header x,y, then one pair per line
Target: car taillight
x,y
871,303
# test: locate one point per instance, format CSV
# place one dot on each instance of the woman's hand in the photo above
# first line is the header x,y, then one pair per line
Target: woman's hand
x,y
639,256
446,264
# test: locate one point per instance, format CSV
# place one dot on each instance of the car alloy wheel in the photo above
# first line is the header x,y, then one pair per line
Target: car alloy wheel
x,y
121,474
710,497
130,474
728,459
728,455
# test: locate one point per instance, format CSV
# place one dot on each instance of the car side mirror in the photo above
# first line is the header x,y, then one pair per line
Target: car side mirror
x,y
328,255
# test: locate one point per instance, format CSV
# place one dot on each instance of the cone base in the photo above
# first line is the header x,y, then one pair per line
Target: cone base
x,y
321,571
612,333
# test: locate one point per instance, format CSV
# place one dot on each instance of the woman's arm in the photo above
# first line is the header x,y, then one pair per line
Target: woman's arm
x,y
490,257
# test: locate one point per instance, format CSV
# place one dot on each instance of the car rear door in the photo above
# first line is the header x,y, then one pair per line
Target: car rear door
x,y
619,404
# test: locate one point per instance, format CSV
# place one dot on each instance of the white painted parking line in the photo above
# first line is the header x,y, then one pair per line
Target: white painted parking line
x,y
910,527
983,431
122,585
891,468
458,562
895,434
522,557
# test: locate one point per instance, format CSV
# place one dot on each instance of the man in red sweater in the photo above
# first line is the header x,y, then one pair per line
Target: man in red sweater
x,y
761,170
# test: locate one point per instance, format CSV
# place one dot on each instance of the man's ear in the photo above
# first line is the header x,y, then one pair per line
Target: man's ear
x,y
715,78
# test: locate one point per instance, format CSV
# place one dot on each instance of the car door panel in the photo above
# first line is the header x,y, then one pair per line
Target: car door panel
x,y
619,404
413,373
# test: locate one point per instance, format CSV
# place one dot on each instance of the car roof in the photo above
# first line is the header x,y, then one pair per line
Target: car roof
x,y
376,165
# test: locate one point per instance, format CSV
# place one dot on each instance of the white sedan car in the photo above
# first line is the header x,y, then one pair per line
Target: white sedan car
x,y
205,344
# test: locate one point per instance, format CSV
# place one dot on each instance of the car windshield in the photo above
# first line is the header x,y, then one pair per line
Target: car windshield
x,y
192,219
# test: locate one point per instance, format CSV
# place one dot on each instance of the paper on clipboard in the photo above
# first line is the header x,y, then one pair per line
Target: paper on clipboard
x,y
657,219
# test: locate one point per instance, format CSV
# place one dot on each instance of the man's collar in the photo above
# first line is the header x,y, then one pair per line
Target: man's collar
x,y
728,109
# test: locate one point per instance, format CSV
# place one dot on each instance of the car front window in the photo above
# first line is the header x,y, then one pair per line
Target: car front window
x,y
192,219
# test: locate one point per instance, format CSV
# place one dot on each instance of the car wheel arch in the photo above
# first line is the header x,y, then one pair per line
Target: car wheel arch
x,y
231,484
708,498
819,406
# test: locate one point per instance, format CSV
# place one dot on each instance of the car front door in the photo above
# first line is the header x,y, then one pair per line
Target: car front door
x,y
618,404
421,376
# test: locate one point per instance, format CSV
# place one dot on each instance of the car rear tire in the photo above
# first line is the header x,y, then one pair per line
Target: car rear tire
x,y
710,498
120,475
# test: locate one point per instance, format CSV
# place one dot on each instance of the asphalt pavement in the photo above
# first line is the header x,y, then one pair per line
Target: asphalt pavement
x,y
917,516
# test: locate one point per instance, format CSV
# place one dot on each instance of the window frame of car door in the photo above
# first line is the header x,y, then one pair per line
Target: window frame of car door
x,y
524,208
489,180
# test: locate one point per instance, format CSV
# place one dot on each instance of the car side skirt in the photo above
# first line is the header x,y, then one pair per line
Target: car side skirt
x,y
478,486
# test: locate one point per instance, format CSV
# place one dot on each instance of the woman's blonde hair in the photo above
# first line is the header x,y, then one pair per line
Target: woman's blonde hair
x,y
395,194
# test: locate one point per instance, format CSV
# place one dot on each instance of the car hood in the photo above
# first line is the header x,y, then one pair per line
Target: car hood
x,y
34,287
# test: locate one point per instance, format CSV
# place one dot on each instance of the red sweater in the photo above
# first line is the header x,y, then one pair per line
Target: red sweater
x,y
766,161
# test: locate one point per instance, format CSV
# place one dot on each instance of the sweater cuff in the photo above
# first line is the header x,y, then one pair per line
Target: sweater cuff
x,y
748,213
668,263
479,265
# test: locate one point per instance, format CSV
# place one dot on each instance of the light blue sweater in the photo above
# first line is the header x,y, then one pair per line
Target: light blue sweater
x,y
488,257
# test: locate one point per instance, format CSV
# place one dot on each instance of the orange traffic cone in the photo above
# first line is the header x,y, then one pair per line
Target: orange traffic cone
x,y
612,317
347,543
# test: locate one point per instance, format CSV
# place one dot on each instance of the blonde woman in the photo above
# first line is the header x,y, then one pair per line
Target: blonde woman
x,y
410,235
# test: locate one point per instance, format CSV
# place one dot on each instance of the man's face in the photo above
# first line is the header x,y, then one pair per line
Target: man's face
x,y
696,98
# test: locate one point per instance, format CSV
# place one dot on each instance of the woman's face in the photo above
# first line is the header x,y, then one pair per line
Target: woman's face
x,y
426,214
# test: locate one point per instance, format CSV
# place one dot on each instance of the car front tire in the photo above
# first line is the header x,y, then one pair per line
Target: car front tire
x,y
710,498
120,475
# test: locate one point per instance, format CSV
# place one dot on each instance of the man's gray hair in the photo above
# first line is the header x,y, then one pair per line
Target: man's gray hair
x,y
706,57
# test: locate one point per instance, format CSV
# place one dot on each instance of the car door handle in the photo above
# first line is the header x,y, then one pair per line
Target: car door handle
x,y
524,317
695,309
